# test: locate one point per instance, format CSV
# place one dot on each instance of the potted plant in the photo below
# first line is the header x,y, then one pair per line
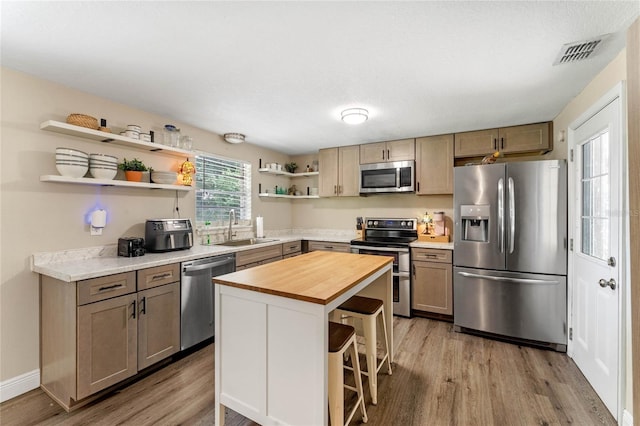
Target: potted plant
x,y
133,169
291,167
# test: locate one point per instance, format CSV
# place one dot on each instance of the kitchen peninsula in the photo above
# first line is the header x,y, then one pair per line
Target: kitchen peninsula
x,y
271,325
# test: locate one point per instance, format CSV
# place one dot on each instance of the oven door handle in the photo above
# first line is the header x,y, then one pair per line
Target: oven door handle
x,y
391,249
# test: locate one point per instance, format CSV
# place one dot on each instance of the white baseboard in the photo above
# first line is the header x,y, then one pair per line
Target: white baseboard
x,y
19,385
627,418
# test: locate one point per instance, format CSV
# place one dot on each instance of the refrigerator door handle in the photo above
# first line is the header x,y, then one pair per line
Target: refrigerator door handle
x,y
512,215
509,279
501,214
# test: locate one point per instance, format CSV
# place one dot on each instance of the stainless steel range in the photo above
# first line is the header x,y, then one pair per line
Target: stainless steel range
x,y
391,237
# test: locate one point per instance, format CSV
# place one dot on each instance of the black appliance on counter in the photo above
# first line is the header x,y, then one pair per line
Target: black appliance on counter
x,y
391,237
168,235
131,247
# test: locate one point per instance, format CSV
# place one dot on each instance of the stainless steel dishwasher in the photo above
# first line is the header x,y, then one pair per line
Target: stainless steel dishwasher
x,y
196,320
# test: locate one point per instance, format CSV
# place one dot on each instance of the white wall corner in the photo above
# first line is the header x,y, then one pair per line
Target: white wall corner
x,y
627,418
19,385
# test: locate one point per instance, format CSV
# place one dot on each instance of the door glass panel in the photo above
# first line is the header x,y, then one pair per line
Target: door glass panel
x,y
595,196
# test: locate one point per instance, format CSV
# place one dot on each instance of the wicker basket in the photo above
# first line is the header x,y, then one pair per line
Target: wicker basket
x,y
83,121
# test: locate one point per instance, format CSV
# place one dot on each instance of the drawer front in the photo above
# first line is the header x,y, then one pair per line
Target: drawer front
x,y
327,246
258,254
292,247
260,262
431,255
101,288
159,275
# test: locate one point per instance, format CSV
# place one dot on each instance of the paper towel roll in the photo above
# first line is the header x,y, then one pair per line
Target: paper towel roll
x,y
259,227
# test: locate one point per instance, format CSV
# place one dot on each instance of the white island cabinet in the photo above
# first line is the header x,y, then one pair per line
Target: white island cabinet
x,y
271,326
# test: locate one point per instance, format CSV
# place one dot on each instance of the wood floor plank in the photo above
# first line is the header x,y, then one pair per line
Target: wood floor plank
x,y
440,378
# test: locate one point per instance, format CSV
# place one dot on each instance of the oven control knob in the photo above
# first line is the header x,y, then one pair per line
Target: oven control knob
x,y
402,223
370,223
375,223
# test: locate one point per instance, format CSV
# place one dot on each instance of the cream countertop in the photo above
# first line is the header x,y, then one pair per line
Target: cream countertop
x,y
81,264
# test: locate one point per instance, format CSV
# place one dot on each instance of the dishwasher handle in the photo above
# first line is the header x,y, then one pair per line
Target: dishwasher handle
x,y
210,265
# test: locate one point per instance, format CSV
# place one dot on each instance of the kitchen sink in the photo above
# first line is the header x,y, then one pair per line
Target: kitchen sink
x,y
246,242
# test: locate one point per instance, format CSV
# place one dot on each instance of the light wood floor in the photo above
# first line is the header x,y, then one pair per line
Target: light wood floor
x,y
439,378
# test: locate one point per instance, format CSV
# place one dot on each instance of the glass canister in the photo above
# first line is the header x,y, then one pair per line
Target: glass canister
x,y
171,136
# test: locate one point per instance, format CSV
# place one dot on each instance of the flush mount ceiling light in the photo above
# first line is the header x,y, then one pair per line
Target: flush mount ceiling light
x,y
234,137
355,115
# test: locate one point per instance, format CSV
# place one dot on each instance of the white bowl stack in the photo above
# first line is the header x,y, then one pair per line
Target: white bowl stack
x,y
103,166
166,178
71,162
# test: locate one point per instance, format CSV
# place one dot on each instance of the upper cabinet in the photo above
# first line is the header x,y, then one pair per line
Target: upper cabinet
x,y
508,140
434,165
339,168
378,152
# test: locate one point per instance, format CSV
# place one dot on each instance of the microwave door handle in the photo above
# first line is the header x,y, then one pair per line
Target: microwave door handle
x,y
397,177
501,214
172,241
512,214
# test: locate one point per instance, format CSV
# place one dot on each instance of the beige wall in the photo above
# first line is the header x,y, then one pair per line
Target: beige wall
x,y
40,216
614,73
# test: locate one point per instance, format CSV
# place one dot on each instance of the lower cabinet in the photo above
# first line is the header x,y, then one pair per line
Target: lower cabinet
x,y
432,281
258,256
328,246
93,336
292,249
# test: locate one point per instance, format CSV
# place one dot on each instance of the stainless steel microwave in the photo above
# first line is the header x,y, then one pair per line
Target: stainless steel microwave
x,y
392,177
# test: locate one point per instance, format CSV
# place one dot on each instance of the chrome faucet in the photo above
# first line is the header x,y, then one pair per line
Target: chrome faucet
x,y
233,220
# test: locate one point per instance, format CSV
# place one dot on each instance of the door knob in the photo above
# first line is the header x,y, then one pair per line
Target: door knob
x,y
604,283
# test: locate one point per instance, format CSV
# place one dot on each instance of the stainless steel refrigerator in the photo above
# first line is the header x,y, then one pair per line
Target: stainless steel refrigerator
x,y
510,250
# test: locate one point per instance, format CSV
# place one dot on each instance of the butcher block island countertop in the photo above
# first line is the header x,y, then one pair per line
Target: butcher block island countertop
x,y
272,332
316,277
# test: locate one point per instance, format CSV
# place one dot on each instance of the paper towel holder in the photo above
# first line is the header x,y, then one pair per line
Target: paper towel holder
x,y
98,221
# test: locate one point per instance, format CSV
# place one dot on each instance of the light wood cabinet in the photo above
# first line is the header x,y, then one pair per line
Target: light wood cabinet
x,y
432,281
434,165
107,342
258,256
158,323
100,331
339,170
400,150
508,140
291,249
329,246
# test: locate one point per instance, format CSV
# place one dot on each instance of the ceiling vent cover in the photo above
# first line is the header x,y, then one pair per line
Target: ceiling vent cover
x,y
579,50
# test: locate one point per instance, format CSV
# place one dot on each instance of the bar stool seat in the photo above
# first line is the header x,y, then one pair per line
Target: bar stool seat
x,y
368,310
342,338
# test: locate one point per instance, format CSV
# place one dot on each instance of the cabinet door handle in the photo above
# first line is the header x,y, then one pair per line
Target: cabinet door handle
x,y
413,268
143,306
335,189
388,157
110,287
501,143
418,186
161,276
495,143
383,154
134,309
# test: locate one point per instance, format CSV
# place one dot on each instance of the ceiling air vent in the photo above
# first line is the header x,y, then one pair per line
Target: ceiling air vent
x,y
579,50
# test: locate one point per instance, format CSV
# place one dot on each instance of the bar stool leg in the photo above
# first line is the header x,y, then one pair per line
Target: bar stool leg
x,y
336,389
386,341
371,345
358,379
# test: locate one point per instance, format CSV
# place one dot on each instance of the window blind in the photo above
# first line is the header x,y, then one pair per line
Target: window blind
x,y
221,185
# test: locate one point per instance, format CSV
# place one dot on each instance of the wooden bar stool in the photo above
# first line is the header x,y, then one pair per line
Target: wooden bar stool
x,y
342,338
368,310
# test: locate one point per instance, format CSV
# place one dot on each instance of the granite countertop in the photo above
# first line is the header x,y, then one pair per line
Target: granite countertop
x,y
81,264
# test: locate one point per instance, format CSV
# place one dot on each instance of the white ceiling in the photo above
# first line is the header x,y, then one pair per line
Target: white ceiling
x,y
281,72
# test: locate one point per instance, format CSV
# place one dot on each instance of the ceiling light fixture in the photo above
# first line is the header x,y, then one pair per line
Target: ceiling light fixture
x,y
355,115
234,137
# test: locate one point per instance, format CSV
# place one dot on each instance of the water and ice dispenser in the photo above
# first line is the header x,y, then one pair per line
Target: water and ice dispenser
x,y
475,222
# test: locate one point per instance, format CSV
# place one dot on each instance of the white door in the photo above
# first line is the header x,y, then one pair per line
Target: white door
x,y
596,222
